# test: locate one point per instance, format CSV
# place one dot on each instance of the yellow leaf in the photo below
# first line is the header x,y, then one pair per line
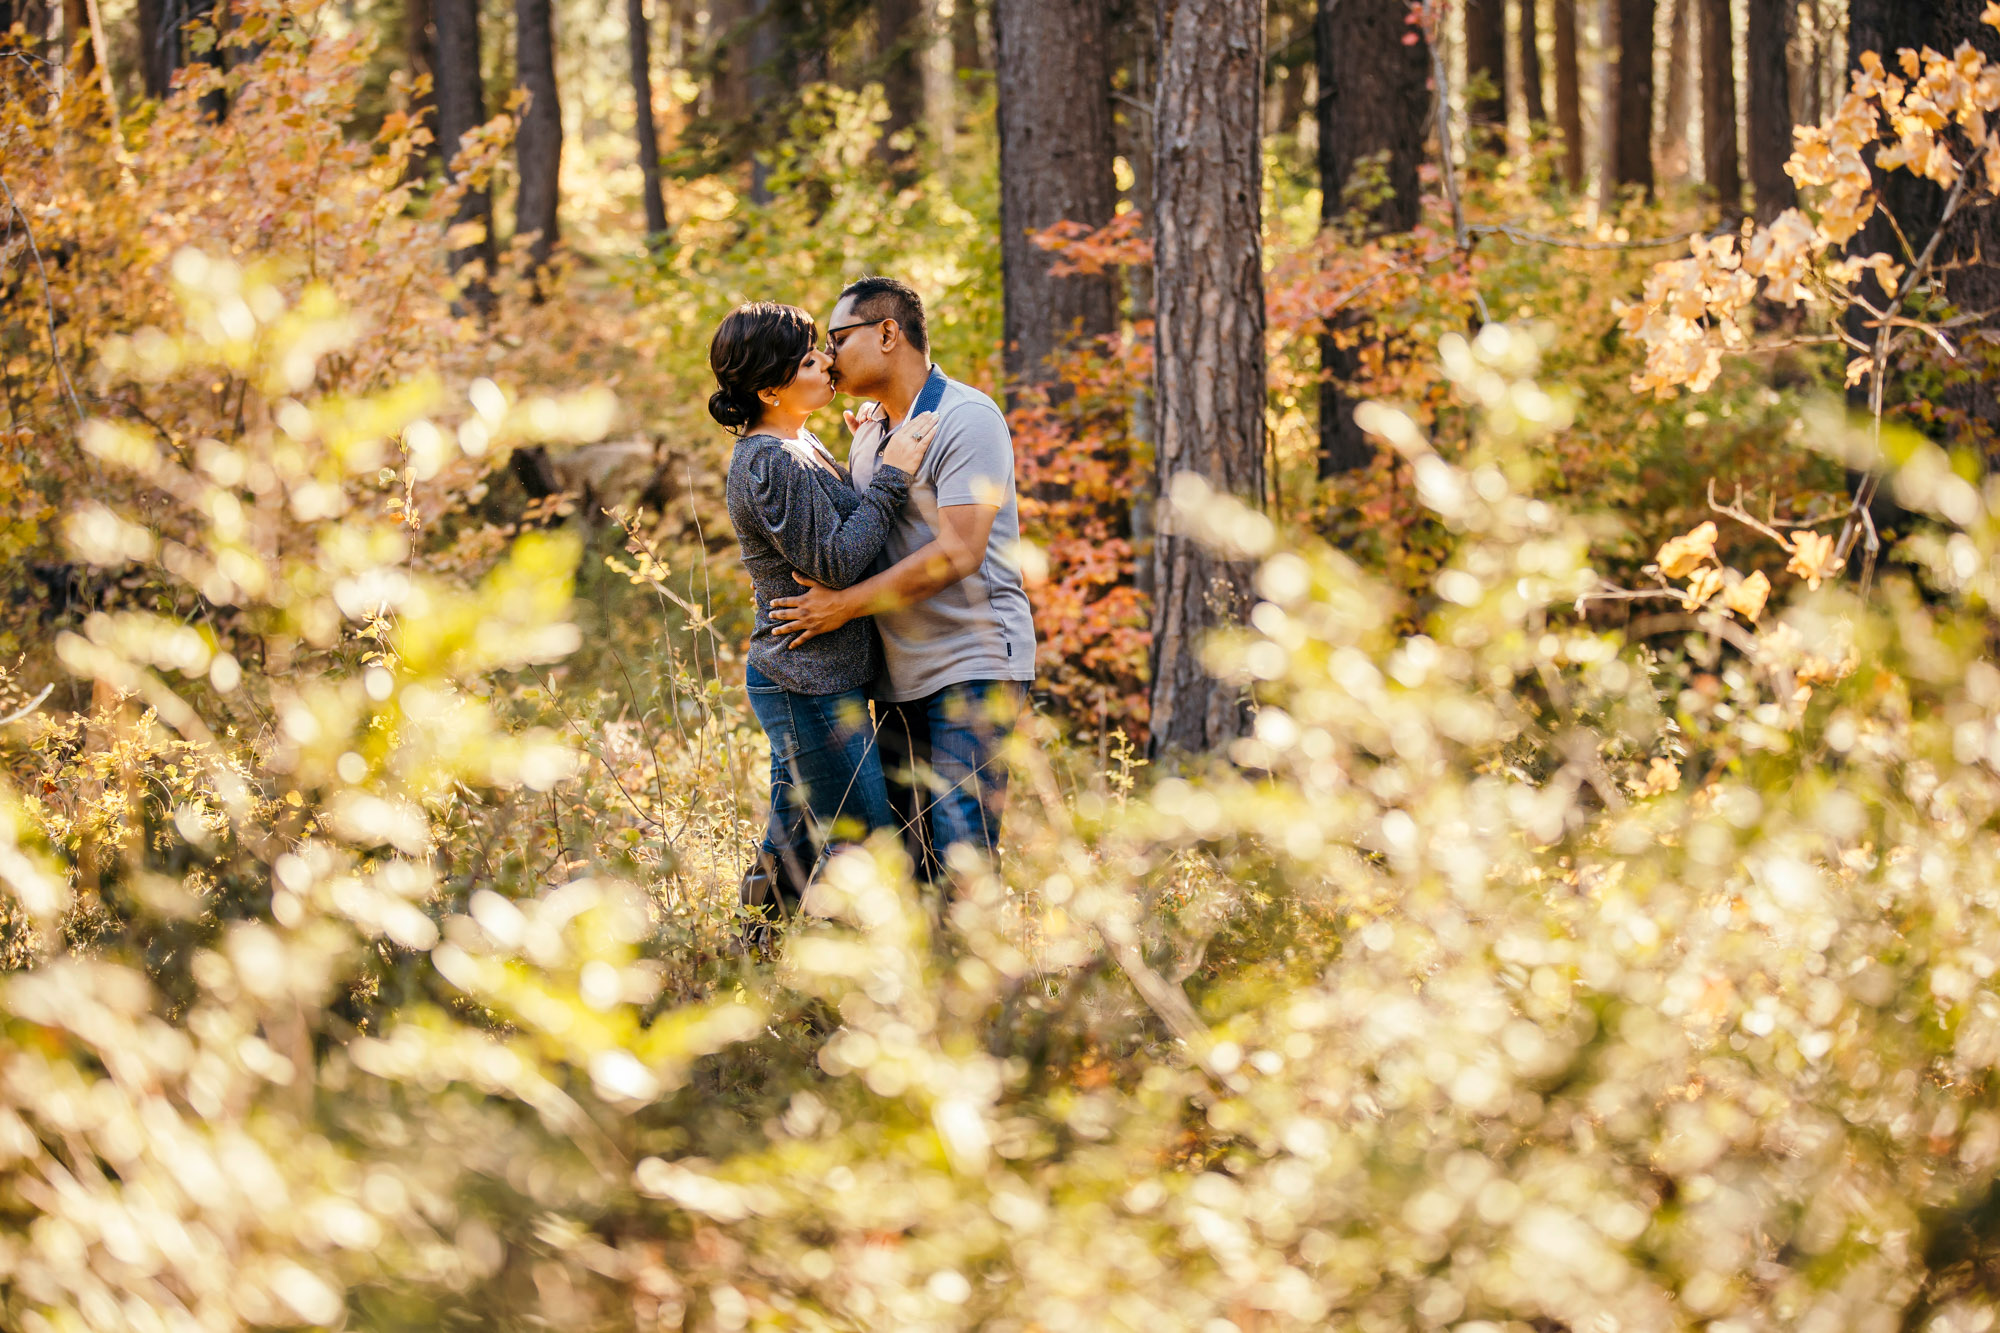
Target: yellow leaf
x,y
1746,597
1683,555
1704,585
1813,558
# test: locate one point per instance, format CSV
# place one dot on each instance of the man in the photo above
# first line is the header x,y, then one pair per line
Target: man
x,y
957,636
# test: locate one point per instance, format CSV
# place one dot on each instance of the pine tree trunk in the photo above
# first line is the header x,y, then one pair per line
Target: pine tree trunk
x,y
77,49
1486,62
538,142
899,43
639,46
1678,114
763,50
1971,279
1719,163
1531,65
1768,113
940,81
1056,150
1373,100
1209,350
156,58
461,98
969,53
1633,142
1569,94
420,49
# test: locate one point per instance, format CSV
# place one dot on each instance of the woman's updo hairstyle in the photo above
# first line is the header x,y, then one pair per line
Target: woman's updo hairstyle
x,y
759,346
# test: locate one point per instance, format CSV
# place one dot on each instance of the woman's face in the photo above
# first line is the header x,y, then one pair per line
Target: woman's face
x,y
809,390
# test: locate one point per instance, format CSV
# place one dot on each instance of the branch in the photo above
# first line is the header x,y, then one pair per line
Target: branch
x,y
1521,237
48,301
27,708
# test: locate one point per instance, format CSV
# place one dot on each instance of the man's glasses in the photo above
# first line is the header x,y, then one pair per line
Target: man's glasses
x,y
832,347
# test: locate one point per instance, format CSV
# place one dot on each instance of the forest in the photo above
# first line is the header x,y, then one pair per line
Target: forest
x,y
1503,834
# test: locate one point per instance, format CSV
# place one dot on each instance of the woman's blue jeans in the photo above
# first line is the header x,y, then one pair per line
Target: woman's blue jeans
x,y
826,783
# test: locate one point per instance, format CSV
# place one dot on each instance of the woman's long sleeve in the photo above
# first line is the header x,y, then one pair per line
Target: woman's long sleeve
x,y
808,529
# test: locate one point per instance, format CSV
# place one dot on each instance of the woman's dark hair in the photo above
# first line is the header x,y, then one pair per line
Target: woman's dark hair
x,y
759,346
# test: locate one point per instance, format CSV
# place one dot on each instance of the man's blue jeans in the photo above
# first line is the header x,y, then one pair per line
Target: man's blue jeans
x,y
946,777
826,784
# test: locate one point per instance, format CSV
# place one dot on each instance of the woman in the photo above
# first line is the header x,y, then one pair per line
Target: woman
x,y
795,508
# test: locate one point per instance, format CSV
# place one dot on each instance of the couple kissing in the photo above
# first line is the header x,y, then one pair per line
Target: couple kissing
x,y
893,645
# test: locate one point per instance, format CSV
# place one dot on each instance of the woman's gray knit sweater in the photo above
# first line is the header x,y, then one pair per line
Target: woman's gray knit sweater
x,y
793,515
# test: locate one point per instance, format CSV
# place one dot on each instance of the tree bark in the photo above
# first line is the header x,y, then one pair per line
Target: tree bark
x,y
639,46
940,81
899,44
1633,142
1678,115
78,51
1719,163
1486,56
420,46
1209,345
1569,94
1971,278
1531,65
461,98
156,59
1769,109
1056,149
969,48
1373,100
762,51
538,142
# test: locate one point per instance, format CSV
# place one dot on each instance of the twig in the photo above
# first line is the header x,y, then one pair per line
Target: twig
x,y
26,708
1522,237
48,300
1743,516
1859,520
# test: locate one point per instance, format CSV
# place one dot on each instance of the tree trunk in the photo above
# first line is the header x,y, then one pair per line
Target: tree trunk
x,y
1633,143
1056,150
1486,68
1569,94
639,46
1969,406
1209,361
1679,110
762,50
899,44
156,51
420,46
1718,107
940,81
538,143
77,48
1135,36
1769,109
1373,100
970,53
461,99
1531,65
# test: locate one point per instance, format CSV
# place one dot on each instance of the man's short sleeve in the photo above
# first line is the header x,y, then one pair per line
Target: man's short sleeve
x,y
974,457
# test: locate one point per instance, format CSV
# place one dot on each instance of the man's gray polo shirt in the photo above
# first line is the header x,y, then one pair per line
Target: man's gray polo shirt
x,y
979,628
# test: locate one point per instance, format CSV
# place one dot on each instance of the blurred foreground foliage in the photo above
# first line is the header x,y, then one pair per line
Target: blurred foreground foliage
x,y
1499,979
372,961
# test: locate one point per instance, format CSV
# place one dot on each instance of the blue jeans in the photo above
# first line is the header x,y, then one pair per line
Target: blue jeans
x,y
826,783
947,780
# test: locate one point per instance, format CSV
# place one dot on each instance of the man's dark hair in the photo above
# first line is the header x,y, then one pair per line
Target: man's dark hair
x,y
759,346
887,298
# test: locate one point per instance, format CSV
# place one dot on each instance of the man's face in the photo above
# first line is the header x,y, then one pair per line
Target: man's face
x,y
858,361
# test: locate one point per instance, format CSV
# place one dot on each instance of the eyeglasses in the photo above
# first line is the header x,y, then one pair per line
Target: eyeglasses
x,y
833,348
